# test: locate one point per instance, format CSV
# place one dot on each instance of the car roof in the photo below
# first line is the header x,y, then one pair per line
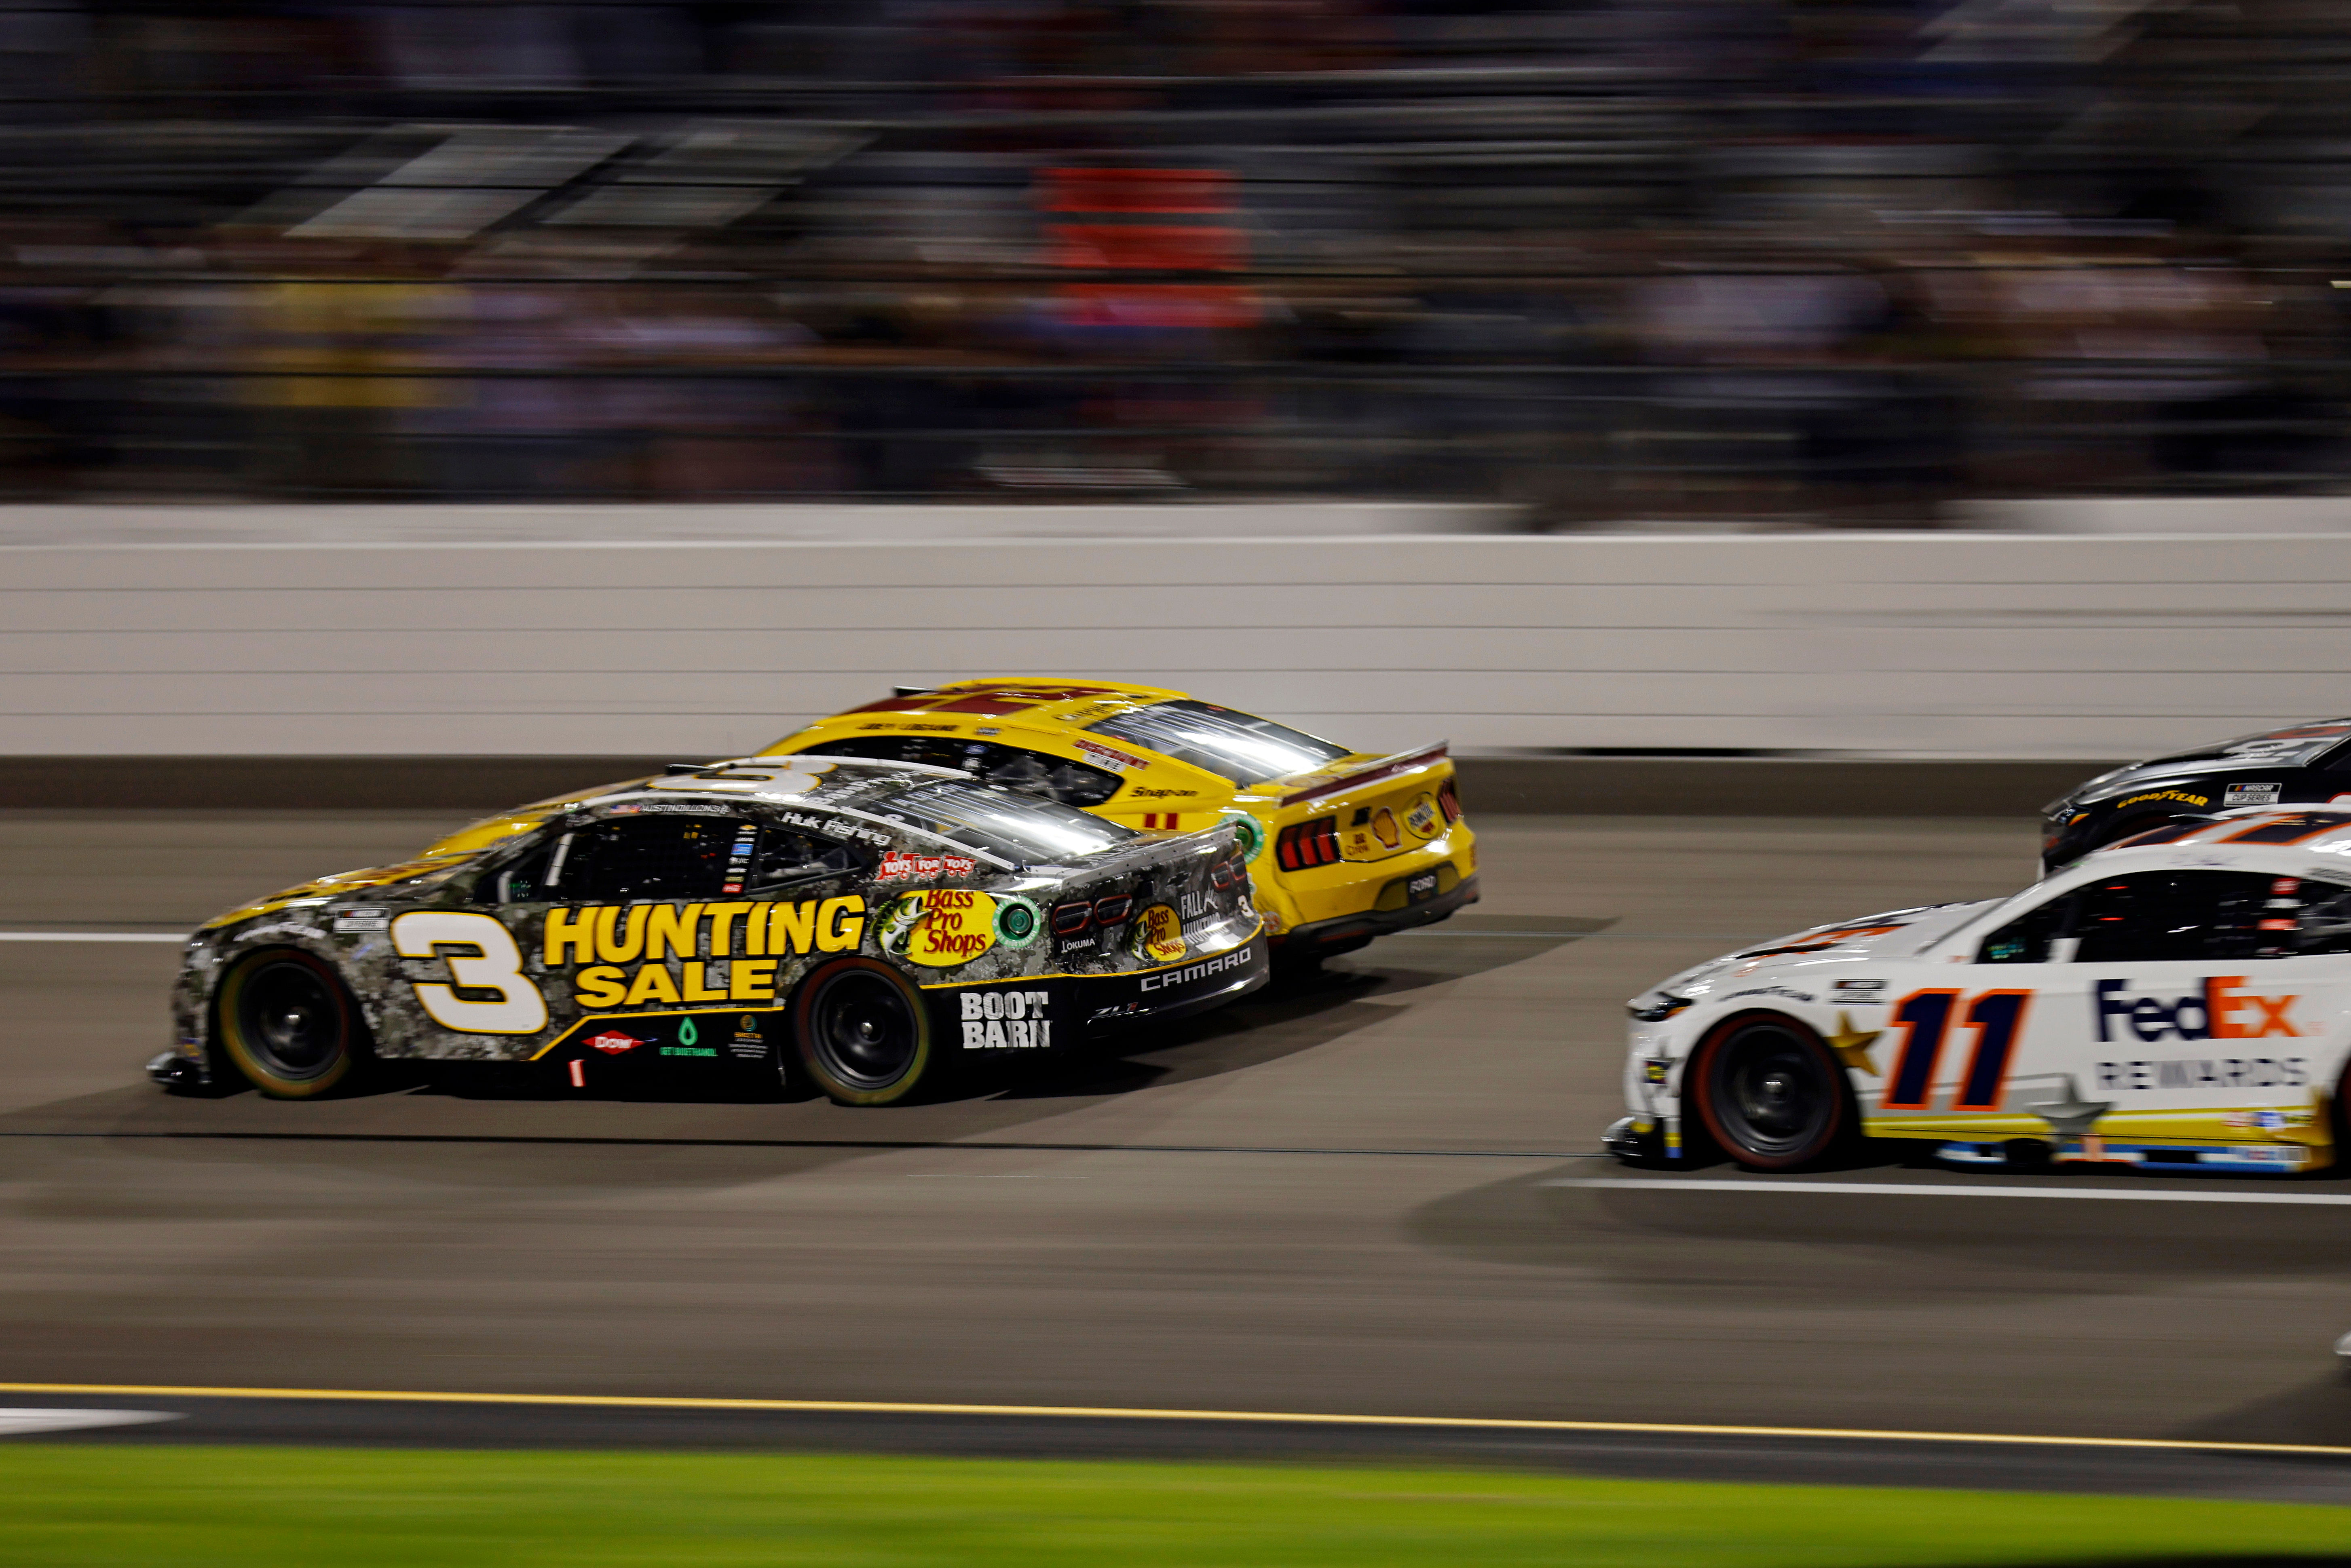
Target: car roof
x,y
2286,839
1035,701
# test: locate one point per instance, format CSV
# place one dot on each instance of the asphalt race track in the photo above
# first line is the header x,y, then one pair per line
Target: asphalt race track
x,y
1370,1194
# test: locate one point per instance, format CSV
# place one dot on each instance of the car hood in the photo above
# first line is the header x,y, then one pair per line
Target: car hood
x,y
2297,746
1897,933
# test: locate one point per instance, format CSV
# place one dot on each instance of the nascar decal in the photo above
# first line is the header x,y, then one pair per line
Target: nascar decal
x,y
1421,819
600,939
1158,935
1007,1021
940,928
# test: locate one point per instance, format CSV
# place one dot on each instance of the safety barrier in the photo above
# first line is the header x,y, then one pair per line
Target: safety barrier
x,y
1950,645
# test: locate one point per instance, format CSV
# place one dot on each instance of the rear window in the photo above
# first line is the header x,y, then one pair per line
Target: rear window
x,y
1010,827
1224,741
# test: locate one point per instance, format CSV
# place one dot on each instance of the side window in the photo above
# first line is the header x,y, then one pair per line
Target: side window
x,y
522,880
649,857
2323,917
1054,778
2191,916
1005,766
785,858
2026,939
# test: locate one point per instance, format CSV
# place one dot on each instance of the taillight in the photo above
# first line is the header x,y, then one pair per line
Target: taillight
x,y
1448,801
1220,876
1069,919
1308,843
1111,910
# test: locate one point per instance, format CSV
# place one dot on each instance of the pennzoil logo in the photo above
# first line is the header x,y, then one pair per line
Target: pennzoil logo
x,y
1159,935
940,928
1421,819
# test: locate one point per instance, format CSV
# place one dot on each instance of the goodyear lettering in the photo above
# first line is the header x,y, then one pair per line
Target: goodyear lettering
x,y
2230,1072
725,952
2182,796
1237,959
2218,1009
1007,1021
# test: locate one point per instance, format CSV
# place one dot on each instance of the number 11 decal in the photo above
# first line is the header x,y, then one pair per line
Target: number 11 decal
x,y
1925,1018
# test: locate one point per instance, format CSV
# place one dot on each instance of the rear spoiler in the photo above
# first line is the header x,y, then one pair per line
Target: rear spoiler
x,y
1380,768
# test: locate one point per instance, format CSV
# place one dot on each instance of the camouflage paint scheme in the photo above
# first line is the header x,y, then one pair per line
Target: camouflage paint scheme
x,y
1206,948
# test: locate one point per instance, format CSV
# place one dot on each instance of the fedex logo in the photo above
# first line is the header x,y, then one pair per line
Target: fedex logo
x,y
2218,1009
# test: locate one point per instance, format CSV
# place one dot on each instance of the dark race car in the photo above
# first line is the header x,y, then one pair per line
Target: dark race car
x,y
2304,764
870,927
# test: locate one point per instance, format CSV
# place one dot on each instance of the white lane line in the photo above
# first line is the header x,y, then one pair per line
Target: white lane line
x,y
93,936
1911,1189
32,1422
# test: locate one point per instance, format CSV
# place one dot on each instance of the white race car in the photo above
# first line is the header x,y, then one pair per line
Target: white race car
x,y
2181,999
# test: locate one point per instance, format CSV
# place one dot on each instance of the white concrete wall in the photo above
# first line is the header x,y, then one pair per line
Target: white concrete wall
x,y
1983,645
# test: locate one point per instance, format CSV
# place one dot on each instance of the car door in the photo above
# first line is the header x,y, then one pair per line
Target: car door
x,y
620,914
1971,1045
2207,1011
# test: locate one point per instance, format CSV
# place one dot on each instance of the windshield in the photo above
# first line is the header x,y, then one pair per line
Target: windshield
x,y
1010,827
1224,741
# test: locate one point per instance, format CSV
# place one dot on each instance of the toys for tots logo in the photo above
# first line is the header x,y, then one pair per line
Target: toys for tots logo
x,y
1159,934
945,927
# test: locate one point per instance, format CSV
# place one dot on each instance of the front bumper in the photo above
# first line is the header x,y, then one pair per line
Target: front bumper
x,y
172,1071
1342,932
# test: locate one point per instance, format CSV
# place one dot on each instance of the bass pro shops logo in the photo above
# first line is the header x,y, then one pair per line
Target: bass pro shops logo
x,y
2221,1009
941,927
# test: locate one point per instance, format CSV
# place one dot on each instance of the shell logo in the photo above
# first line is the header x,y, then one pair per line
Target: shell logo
x,y
1159,935
1384,824
1422,819
941,927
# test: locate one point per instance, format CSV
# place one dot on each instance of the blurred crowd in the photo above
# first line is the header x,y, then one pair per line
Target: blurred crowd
x,y
1827,260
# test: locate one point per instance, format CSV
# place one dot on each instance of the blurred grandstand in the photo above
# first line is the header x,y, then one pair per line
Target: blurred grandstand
x,y
1696,259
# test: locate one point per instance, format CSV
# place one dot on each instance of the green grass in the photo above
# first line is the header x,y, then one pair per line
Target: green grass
x,y
258,1507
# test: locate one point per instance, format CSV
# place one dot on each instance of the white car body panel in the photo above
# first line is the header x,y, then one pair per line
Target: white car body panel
x,y
2229,1064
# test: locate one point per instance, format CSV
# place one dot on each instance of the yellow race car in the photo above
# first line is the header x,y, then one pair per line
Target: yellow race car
x,y
1342,845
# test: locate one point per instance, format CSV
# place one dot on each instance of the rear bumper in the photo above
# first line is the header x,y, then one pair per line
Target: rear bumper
x,y
1354,930
1010,1016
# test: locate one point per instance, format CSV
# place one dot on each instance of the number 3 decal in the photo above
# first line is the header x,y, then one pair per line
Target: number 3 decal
x,y
496,964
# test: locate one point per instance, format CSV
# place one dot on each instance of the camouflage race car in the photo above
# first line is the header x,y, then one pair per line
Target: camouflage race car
x,y
1343,846
873,926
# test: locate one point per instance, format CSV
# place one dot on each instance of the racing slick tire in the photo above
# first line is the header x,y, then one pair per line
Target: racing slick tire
x,y
1769,1094
863,1035
284,1021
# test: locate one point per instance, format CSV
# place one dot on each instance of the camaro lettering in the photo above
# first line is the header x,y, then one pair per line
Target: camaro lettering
x,y
1201,971
2220,1009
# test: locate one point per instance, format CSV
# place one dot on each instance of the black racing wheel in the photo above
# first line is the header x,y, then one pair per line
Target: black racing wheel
x,y
1769,1094
862,1033
285,1019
